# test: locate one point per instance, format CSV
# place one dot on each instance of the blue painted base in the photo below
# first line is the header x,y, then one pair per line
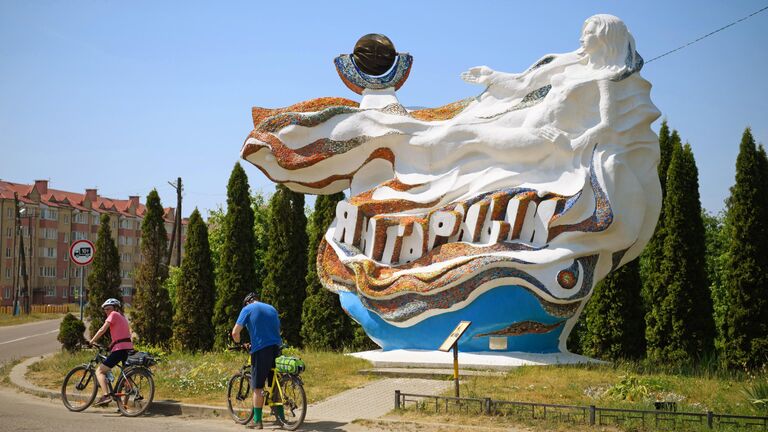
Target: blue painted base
x,y
494,310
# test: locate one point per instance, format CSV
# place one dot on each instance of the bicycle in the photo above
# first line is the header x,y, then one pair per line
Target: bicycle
x,y
287,389
133,392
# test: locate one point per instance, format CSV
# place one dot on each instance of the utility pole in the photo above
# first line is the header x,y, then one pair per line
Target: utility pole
x,y
176,234
23,261
14,267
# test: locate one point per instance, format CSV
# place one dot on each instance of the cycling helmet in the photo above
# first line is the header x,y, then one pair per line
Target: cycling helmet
x,y
250,298
111,302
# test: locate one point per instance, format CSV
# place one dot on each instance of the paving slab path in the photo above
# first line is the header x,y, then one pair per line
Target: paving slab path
x,y
372,400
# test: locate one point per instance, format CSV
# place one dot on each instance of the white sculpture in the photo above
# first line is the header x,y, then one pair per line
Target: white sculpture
x,y
504,209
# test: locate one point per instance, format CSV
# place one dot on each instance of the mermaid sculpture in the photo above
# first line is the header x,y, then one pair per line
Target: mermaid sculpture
x,y
504,209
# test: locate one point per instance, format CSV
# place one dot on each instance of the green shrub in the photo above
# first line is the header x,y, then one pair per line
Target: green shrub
x,y
757,395
71,333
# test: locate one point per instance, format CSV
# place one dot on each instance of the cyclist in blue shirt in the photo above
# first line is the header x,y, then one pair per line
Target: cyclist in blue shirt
x,y
263,324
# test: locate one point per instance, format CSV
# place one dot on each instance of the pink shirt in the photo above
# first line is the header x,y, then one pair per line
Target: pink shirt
x,y
118,329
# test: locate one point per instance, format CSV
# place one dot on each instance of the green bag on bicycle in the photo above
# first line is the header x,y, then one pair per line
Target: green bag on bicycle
x,y
291,365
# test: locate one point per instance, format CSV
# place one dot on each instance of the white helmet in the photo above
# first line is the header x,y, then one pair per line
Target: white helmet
x,y
111,302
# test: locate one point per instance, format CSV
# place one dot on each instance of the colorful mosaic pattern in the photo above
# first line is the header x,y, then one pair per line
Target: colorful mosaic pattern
x,y
357,80
529,100
524,327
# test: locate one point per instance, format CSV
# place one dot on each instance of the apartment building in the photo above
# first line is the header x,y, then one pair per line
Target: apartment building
x,y
50,220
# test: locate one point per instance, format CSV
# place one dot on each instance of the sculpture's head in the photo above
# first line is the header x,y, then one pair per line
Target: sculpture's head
x,y
606,39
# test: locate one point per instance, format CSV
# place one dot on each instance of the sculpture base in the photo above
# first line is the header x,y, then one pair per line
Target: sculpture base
x,y
474,360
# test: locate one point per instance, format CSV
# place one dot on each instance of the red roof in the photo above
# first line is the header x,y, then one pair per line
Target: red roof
x,y
58,198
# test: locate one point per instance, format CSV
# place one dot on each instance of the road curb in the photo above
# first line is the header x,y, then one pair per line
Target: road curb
x,y
18,379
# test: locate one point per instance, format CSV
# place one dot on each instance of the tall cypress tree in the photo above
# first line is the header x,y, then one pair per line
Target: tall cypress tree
x,y
684,327
104,277
653,254
286,261
152,310
746,272
192,324
614,316
324,323
236,275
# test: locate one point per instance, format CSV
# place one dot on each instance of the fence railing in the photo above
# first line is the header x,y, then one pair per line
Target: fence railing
x,y
579,414
62,308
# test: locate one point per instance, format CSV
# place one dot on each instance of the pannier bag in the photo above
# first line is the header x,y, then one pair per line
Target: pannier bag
x,y
292,365
140,359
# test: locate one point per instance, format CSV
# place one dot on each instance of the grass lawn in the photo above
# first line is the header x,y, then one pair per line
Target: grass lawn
x,y
626,385
9,320
202,378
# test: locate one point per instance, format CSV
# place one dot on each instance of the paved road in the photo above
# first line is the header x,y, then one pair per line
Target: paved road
x,y
23,412
27,340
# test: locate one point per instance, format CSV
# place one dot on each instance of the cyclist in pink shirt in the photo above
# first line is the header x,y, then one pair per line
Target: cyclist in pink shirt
x,y
120,331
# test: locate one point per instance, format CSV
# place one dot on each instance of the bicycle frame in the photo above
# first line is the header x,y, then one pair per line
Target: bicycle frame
x,y
266,391
94,364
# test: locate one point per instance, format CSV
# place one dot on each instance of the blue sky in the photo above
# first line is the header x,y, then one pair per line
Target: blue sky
x,y
125,96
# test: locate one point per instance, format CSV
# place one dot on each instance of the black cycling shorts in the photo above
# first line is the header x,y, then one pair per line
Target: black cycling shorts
x,y
115,357
262,363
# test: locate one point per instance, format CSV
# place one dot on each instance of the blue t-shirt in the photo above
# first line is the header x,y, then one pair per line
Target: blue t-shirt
x,y
263,325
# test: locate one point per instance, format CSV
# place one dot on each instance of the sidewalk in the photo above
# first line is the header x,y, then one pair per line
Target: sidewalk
x,y
366,403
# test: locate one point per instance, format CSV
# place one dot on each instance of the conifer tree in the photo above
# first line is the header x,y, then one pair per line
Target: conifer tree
x,y
236,275
324,323
682,310
746,272
192,323
152,311
653,254
104,276
614,316
286,261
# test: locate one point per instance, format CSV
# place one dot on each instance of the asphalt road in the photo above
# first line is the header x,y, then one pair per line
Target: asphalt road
x,y
27,340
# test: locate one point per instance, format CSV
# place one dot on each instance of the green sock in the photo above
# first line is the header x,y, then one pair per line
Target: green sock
x,y
257,415
280,412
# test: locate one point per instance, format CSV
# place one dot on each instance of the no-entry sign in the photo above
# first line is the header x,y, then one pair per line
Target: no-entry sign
x,y
81,252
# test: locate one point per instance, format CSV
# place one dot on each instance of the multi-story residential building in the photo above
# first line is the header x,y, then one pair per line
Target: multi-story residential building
x,y
50,220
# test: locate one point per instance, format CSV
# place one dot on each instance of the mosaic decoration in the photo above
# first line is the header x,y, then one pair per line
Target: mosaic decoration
x,y
504,209
357,80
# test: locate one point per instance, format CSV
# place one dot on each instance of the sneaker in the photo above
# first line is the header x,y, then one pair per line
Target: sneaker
x,y
104,400
255,425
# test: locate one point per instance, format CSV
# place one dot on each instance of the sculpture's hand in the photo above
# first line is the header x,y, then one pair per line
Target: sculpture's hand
x,y
553,135
478,75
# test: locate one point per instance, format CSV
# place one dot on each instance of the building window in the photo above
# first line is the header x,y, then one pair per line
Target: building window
x,y
50,291
95,219
8,213
7,272
7,252
65,274
49,213
49,233
66,237
80,218
48,252
9,232
78,235
7,293
48,272
66,219
127,291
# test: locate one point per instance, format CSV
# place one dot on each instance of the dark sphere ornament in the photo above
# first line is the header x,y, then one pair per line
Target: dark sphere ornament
x,y
374,54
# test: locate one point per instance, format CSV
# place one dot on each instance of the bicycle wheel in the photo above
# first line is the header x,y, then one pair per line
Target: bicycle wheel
x,y
79,388
135,392
239,397
294,402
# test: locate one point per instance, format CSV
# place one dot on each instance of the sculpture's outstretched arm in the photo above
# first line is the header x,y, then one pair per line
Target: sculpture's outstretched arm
x,y
484,75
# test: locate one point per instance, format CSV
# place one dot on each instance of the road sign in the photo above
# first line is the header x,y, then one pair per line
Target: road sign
x,y
81,252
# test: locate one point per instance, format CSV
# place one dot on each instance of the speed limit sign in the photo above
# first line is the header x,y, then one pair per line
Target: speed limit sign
x,y
81,252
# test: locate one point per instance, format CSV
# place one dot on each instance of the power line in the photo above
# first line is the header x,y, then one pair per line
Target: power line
x,y
707,35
